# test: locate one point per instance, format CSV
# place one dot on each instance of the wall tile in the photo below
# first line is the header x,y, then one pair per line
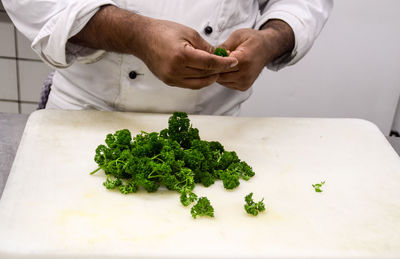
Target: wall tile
x,y
7,44
27,108
8,107
32,74
24,47
8,79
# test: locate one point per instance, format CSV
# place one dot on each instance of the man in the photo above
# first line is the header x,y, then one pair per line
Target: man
x,y
156,55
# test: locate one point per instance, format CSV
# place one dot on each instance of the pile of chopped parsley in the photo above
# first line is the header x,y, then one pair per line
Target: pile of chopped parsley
x,y
175,158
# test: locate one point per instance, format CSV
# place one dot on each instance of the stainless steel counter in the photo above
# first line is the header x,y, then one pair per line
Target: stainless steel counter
x,y
11,129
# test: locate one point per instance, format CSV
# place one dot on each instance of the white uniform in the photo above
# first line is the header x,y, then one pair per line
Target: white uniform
x,y
89,79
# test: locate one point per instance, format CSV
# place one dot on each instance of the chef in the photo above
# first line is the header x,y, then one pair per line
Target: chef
x,y
156,55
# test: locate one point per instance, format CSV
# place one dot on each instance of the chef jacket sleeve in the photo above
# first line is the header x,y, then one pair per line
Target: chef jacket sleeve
x,y
50,23
305,17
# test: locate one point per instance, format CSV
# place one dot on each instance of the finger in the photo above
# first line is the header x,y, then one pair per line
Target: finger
x,y
231,70
229,77
199,43
189,72
198,73
239,53
234,40
201,59
197,83
230,85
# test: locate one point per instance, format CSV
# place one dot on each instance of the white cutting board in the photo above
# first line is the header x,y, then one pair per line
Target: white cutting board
x,y
52,208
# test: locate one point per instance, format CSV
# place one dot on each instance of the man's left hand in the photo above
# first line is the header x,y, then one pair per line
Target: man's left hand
x,y
254,49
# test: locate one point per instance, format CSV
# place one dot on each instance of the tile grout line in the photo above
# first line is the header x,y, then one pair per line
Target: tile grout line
x,y
22,59
16,101
17,70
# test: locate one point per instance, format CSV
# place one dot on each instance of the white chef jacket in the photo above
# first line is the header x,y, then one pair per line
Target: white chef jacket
x,y
95,79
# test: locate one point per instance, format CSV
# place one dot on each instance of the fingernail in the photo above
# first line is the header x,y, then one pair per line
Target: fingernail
x,y
234,64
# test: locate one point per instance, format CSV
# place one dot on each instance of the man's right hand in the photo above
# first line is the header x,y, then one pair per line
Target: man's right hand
x,y
175,53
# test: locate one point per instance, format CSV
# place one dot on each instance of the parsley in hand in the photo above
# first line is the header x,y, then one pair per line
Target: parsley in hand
x,y
252,207
221,52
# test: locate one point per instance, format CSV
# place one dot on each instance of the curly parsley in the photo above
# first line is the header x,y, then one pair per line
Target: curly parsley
x,y
318,186
175,158
251,207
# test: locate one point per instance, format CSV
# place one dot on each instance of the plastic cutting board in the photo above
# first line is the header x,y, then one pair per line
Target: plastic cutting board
x,y
52,208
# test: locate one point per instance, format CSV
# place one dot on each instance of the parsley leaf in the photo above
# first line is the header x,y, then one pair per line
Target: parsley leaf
x,y
221,52
251,207
318,186
202,208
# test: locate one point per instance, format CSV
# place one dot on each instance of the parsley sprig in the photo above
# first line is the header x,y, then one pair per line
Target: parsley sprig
x,y
221,52
251,207
318,186
202,208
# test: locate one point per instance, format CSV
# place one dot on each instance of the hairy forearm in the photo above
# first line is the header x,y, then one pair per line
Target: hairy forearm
x,y
280,35
113,29
173,52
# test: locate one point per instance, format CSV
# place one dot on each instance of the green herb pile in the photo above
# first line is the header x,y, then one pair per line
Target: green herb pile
x,y
221,52
175,158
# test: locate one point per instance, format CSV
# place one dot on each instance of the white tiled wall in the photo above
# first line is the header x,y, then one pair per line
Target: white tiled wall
x,y
24,47
31,77
21,71
8,79
27,108
7,46
10,107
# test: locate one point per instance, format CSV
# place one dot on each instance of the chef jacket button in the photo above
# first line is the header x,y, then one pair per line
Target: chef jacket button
x,y
208,29
132,75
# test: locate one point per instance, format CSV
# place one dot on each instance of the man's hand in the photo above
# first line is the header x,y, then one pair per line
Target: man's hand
x,y
254,49
179,56
173,52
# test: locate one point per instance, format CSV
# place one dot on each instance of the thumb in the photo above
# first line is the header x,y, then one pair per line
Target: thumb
x,y
232,42
237,53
